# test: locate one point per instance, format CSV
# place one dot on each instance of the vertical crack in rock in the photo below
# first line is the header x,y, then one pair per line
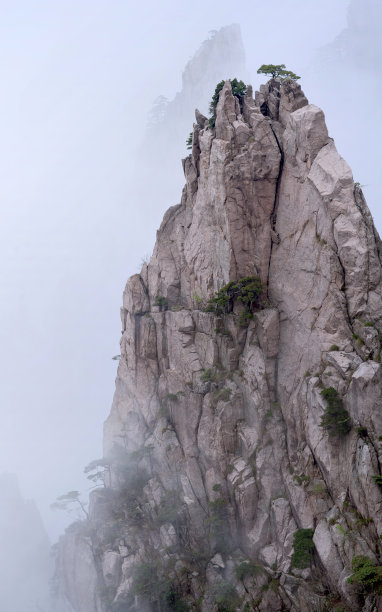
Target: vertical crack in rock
x,y
273,218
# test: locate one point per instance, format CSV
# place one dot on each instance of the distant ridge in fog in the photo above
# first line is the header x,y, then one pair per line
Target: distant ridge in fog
x,y
219,57
24,551
345,77
359,46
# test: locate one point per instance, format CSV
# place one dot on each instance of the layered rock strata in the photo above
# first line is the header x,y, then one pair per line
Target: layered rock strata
x,y
221,456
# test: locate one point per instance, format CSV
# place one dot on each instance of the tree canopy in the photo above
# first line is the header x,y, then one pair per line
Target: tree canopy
x,y
278,71
68,500
336,419
95,470
239,89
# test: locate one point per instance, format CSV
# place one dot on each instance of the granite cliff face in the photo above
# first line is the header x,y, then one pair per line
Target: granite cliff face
x,y
216,456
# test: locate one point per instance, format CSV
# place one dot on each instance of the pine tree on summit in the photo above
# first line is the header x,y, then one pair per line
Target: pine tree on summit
x,y
277,71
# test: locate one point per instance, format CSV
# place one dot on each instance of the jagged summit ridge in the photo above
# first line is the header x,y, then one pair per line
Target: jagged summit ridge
x,y
226,418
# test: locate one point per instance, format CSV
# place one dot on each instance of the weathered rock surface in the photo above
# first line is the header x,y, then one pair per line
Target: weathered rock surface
x,y
218,425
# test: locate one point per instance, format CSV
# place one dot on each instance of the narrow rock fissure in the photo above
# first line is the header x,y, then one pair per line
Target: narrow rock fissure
x,y
273,216
344,292
376,454
322,474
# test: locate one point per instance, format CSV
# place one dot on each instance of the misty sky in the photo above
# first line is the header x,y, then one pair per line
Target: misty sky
x,y
78,79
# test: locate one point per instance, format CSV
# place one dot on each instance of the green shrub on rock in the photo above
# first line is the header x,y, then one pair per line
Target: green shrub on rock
x,y
248,568
146,582
247,290
162,302
302,548
377,479
172,600
336,419
367,574
214,102
334,347
224,395
239,89
218,521
226,597
156,588
209,375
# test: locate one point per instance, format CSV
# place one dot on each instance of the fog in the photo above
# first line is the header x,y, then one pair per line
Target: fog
x,y
83,187
25,558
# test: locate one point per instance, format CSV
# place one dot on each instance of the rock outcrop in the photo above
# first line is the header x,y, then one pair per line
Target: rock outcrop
x,y
216,455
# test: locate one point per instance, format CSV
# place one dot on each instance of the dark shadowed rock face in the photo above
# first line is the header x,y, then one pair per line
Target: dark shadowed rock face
x,y
221,457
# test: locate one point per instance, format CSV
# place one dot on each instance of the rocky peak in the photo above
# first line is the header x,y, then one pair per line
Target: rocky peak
x,y
231,491
278,99
164,143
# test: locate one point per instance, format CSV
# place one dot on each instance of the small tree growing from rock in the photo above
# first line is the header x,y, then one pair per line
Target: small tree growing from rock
x,y
96,470
247,290
68,501
239,89
278,71
336,419
367,575
225,596
302,548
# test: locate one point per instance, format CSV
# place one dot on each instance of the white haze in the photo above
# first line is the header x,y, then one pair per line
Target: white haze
x,y
78,79
24,552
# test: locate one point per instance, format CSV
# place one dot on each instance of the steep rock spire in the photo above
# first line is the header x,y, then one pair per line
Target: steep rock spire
x,y
221,423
